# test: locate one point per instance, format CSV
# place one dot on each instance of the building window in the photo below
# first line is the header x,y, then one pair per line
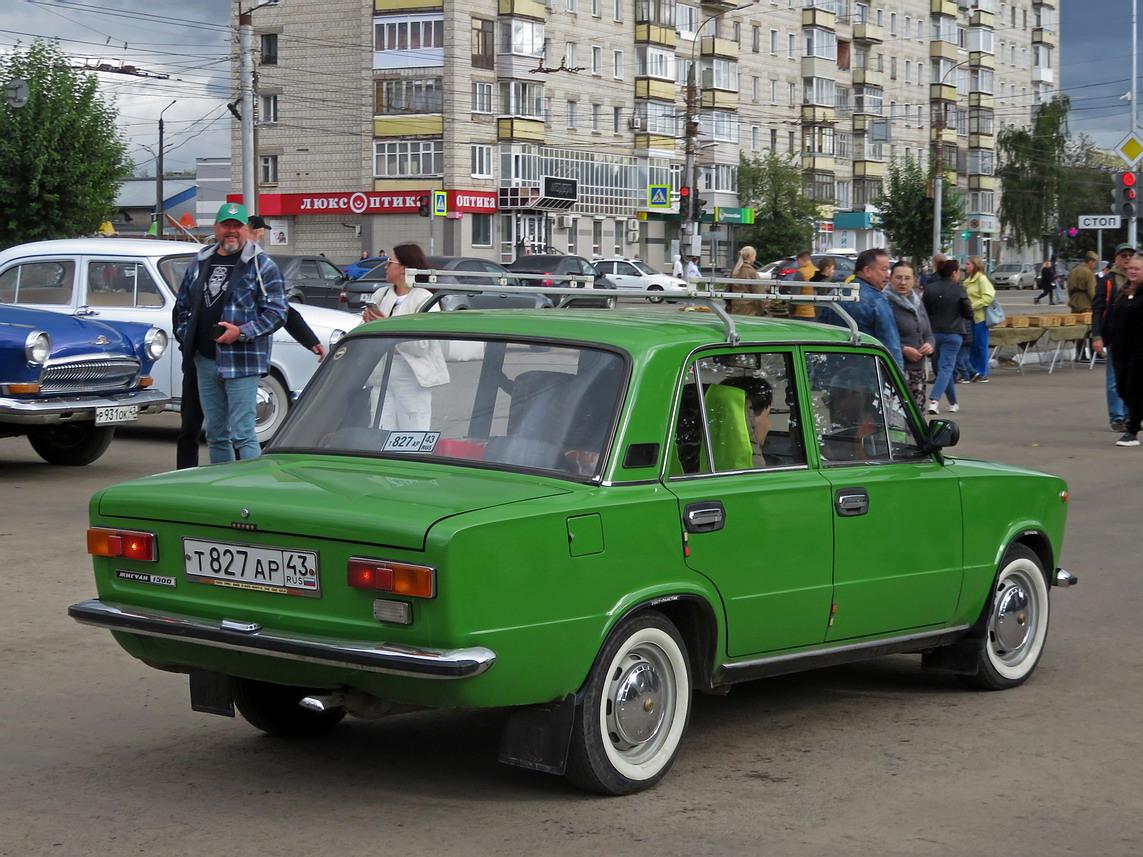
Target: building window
x,y
573,106
981,80
892,68
400,159
818,140
268,169
481,161
482,98
661,12
481,230
617,120
841,195
409,95
755,38
269,48
596,60
686,20
658,117
791,142
774,43
483,43
654,62
773,91
773,139
820,43
268,115
597,117
865,191
791,46
597,237
755,137
720,177
569,54
521,38
596,7
520,98
617,65
820,187
719,74
617,11
819,91
572,6
720,124
892,23
408,32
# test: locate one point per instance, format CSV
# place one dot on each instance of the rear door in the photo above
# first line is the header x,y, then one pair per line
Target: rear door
x,y
897,540
756,519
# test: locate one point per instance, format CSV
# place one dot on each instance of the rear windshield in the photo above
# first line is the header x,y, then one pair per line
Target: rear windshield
x,y
486,402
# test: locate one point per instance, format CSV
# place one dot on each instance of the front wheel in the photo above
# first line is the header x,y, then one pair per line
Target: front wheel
x,y
72,444
633,710
275,709
270,408
657,298
1011,631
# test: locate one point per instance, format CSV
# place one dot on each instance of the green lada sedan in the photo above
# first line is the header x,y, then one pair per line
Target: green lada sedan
x,y
584,517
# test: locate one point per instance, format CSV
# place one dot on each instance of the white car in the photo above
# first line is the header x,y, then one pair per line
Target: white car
x,y
1013,276
137,280
635,274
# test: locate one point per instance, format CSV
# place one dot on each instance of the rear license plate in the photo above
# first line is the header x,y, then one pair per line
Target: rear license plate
x,y
290,572
116,414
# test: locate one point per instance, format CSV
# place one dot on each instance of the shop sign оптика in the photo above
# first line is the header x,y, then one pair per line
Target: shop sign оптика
x,y
367,202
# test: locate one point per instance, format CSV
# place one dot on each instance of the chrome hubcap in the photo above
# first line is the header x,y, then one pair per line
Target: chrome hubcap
x,y
636,711
266,407
1014,621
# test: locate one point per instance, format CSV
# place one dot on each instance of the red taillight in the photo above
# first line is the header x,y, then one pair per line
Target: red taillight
x,y
343,297
396,578
121,544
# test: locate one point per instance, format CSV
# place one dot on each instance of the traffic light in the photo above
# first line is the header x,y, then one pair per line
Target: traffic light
x,y
698,206
685,202
1124,194
423,206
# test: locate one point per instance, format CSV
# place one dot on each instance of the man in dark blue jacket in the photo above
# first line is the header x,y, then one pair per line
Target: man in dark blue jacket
x,y
872,312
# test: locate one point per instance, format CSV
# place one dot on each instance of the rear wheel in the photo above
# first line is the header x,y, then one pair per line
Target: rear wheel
x,y
1011,631
633,710
274,709
71,444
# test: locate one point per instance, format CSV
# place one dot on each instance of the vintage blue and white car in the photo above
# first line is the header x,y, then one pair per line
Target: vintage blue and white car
x,y
133,279
66,382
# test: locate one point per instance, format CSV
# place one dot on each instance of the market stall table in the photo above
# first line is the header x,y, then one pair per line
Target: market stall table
x,y
1072,333
1022,338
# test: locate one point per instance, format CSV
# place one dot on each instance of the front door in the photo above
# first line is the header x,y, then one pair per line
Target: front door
x,y
755,517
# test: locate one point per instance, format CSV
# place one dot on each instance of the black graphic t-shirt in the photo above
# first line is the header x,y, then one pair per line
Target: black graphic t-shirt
x,y
216,286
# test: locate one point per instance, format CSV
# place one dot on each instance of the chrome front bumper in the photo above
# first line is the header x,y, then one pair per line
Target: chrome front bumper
x,y
387,658
1064,578
69,409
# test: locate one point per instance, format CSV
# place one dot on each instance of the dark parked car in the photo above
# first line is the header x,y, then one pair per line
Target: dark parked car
x,y
66,382
359,291
575,265
311,280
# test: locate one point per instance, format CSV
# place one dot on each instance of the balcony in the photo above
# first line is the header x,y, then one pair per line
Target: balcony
x,y
515,128
943,50
650,87
943,135
408,126
718,99
818,162
979,182
866,32
817,115
819,18
980,18
1043,75
1041,36
981,141
819,67
407,5
868,77
522,9
942,92
655,141
656,34
980,59
984,100
943,7
867,169
715,47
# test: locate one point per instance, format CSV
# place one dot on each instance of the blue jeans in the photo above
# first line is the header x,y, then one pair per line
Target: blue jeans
x,y
963,365
1116,409
229,406
978,354
945,354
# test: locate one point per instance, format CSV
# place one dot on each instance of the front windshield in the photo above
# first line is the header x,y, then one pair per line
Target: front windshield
x,y
645,268
513,404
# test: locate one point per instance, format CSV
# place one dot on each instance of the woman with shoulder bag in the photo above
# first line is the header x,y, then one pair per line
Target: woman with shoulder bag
x,y
948,308
981,294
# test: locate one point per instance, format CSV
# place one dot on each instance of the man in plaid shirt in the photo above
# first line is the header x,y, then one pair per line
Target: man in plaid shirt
x,y
231,301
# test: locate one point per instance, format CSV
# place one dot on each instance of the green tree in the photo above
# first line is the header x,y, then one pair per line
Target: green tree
x,y
783,214
907,210
1033,173
1085,188
61,154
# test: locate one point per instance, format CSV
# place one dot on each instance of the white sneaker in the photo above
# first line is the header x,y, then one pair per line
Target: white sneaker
x,y
933,408
953,408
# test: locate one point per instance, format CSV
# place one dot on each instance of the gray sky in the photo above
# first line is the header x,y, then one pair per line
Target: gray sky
x,y
192,40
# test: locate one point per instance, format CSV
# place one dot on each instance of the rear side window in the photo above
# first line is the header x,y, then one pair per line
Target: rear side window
x,y
48,283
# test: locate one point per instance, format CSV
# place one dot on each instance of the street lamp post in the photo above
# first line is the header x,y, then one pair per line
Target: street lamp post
x,y
688,229
159,206
939,175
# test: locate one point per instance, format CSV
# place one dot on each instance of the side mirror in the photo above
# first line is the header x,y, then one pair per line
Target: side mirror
x,y
943,433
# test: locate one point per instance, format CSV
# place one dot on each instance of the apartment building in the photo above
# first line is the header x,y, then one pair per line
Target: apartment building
x,y
537,124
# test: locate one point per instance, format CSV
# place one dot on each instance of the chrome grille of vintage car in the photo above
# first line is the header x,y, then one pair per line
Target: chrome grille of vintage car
x,y
81,376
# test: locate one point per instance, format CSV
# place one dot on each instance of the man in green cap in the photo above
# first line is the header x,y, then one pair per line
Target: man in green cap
x,y
231,301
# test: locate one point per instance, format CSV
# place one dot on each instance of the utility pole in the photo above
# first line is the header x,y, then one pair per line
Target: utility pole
x,y
1133,220
159,201
938,182
246,88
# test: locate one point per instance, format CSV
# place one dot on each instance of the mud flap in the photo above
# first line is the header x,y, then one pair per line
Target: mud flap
x,y
537,737
212,693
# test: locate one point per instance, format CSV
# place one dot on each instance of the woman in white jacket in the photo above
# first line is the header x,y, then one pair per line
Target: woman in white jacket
x,y
418,365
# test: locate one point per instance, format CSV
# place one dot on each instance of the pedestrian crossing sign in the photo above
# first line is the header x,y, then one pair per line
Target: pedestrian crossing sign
x,y
440,203
659,196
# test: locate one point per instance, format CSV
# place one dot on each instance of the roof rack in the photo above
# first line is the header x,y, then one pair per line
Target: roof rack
x,y
701,291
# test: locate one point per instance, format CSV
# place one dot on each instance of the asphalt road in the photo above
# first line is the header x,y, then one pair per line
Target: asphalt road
x,y
103,756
